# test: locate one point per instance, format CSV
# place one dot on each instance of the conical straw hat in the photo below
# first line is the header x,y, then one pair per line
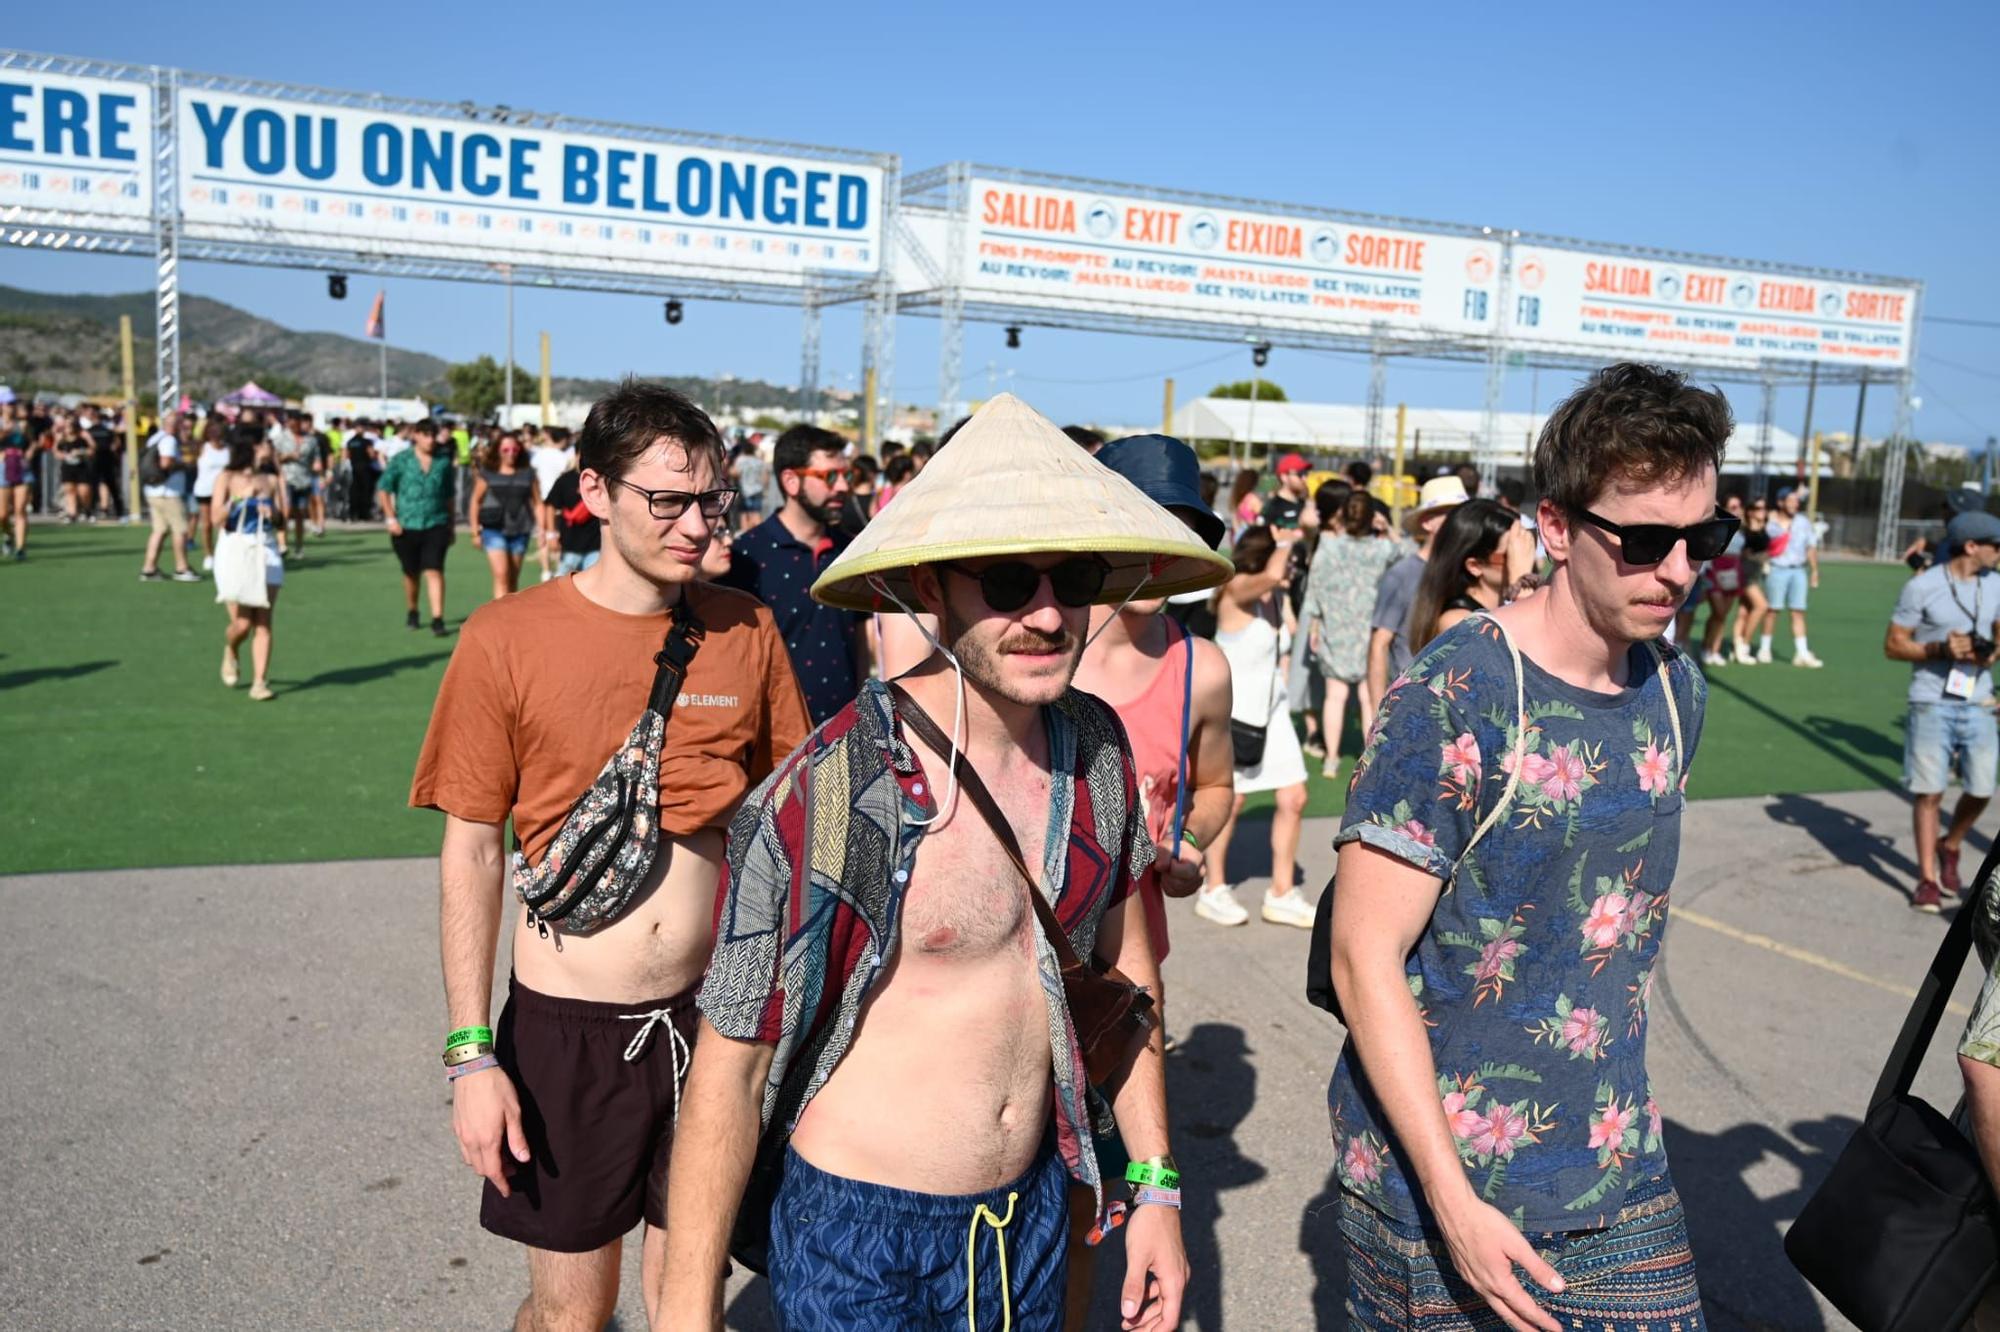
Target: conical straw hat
x,y
1011,483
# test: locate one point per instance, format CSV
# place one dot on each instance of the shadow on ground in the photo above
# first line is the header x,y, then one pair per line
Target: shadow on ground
x,y
357,675
37,674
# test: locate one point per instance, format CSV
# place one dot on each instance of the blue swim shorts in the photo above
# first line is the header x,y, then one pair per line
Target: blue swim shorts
x,y
846,1255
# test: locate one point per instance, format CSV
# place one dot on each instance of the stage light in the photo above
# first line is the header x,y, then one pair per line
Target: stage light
x,y
336,286
673,312
1013,336
1260,355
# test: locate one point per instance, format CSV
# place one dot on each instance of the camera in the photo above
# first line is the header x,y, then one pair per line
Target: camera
x,y
1982,647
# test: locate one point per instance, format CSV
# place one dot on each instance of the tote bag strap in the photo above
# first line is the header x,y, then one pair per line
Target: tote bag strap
x,y
1921,1024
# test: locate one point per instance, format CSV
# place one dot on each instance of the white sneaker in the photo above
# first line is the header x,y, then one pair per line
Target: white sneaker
x,y
1744,657
1764,655
1291,909
1807,659
1219,906
1714,659
208,564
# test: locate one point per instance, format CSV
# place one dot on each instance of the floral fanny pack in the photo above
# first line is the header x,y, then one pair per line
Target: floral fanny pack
x,y
606,844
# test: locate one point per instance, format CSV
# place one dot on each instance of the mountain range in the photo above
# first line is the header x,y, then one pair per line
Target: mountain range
x,y
62,343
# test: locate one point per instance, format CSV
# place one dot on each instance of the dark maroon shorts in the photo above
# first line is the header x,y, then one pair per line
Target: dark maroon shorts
x,y
600,1126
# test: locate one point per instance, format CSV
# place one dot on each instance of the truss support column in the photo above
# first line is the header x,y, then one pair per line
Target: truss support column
x,y
1378,376
951,306
166,245
878,351
1760,463
1895,452
1488,455
809,353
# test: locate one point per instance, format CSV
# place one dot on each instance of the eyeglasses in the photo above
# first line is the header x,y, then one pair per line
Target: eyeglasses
x,y
1649,543
1012,584
667,505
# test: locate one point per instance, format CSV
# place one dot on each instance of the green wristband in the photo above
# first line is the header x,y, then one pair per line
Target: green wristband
x,y
1152,1176
1187,835
466,1035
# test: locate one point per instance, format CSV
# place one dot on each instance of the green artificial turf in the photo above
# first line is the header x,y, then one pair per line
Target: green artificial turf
x,y
124,749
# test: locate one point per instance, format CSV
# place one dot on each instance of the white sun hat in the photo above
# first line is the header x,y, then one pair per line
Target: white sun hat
x,y
1011,483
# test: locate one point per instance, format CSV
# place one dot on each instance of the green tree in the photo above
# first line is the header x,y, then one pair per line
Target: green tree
x,y
475,388
1266,391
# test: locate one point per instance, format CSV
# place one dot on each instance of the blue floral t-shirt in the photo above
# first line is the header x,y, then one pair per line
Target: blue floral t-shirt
x,y
1534,972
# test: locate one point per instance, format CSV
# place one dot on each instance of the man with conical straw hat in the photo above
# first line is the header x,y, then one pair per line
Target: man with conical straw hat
x,y
889,1056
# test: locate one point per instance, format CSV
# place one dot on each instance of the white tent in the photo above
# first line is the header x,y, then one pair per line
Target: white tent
x,y
1343,428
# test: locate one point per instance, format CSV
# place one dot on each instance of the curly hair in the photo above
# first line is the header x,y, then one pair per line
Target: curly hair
x,y
1640,424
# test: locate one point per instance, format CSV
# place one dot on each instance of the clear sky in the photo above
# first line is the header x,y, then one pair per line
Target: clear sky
x,y
1836,134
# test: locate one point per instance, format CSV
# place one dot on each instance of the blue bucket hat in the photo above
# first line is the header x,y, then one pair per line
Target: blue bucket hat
x,y
1166,471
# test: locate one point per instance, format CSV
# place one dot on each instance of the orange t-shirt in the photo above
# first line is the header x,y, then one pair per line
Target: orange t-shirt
x,y
544,685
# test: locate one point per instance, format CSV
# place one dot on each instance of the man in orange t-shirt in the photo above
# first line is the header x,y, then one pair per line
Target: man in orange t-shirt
x,y
570,1120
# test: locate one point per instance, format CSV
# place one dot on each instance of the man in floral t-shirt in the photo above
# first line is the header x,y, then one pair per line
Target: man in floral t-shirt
x,y
1505,864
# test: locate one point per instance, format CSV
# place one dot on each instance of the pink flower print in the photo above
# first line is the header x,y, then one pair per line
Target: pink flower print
x,y
1608,1129
1534,768
1417,833
1566,772
1465,1124
1579,1030
1655,770
1505,1130
1606,921
1362,1165
1461,756
1495,956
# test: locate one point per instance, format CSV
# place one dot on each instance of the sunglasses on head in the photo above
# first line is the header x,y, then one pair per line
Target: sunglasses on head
x,y
1649,543
1012,584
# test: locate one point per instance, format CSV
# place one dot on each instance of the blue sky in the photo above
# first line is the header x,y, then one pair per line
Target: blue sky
x,y
1838,134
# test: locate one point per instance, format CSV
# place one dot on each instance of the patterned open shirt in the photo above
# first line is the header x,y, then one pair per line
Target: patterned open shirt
x,y
820,856
1534,971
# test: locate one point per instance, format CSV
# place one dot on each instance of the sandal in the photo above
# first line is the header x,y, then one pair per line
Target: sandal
x,y
231,674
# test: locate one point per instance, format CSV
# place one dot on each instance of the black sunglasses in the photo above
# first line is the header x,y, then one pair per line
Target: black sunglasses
x,y
1649,543
667,505
1012,584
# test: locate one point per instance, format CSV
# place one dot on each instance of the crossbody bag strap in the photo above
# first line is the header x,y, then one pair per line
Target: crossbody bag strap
x,y
1928,1007
1499,809
1187,722
974,789
673,658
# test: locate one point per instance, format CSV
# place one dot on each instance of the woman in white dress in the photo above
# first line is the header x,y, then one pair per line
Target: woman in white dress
x,y
1250,627
208,465
250,509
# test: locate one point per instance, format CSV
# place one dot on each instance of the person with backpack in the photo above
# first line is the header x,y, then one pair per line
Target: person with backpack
x,y
1501,894
163,478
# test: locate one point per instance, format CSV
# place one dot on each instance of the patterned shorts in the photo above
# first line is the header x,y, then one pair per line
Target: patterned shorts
x,y
1635,1275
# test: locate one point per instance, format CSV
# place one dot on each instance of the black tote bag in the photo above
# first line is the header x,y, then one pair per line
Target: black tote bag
x,y
1901,1237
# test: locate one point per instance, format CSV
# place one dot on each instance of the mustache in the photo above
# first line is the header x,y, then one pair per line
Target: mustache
x,y
1029,640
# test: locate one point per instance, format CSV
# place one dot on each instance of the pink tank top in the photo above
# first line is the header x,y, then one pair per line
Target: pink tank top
x,y
1153,725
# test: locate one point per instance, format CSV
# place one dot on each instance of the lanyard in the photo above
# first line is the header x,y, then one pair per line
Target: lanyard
x,y
1978,593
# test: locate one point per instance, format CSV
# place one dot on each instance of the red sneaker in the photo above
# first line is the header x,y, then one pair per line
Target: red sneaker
x,y
1948,870
1928,898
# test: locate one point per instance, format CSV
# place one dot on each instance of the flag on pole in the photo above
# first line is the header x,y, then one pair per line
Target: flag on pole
x,y
377,325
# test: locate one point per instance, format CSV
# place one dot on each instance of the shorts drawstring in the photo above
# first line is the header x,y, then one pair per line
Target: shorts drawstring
x,y
677,1046
999,1224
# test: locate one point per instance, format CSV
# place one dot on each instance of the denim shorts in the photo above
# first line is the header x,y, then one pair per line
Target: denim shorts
x,y
1785,587
516,546
1948,739
576,561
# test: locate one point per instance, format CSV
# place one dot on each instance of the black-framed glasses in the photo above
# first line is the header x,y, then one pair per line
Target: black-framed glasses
x,y
1012,584
668,505
1649,543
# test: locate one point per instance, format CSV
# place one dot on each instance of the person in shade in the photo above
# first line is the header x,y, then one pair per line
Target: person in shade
x,y
777,560
1499,905
1170,688
1943,626
883,1021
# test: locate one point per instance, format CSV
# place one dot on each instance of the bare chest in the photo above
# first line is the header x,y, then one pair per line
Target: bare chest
x,y
966,900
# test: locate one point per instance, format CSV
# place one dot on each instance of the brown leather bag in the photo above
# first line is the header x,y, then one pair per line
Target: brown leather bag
x,y
1112,1016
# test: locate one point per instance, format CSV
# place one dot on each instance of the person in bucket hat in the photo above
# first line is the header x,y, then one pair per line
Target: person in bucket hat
x,y
886,1054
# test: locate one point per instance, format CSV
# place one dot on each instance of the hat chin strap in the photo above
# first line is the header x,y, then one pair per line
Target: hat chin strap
x,y
950,800
1144,579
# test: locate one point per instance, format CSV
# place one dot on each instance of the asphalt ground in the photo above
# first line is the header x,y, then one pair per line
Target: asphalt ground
x,y
222,1108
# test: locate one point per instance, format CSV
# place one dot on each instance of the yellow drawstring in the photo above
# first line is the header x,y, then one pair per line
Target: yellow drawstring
x,y
999,1224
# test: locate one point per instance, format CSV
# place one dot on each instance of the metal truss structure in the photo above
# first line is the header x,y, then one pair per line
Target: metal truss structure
x,y
941,197
171,248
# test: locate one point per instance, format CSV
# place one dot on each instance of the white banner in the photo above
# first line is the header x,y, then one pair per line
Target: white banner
x,y
76,149
1703,314
320,177
1033,244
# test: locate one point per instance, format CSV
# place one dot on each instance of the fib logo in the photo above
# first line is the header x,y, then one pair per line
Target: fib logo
x,y
1326,246
1204,232
1830,302
1101,221
1479,266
